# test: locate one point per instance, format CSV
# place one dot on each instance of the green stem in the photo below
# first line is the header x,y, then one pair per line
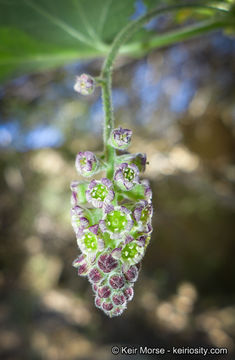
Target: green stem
x,y
121,38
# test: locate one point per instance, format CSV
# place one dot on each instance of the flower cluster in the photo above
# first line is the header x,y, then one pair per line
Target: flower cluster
x,y
112,222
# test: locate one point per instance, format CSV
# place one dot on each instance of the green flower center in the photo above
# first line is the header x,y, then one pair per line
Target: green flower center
x,y
99,192
116,221
123,137
90,241
129,251
129,174
83,161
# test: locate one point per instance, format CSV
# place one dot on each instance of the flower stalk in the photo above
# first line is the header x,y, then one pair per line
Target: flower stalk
x,y
112,217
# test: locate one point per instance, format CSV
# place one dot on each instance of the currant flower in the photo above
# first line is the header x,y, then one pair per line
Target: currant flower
x,y
132,252
89,241
117,221
79,221
143,215
127,176
100,192
85,84
86,163
121,138
138,159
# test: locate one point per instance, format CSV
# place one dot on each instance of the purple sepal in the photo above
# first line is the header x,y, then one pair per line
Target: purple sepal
x,y
132,273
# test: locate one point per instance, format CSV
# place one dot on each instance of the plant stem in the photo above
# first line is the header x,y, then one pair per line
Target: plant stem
x,y
121,38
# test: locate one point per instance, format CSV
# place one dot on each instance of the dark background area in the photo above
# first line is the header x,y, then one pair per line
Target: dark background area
x,y
179,102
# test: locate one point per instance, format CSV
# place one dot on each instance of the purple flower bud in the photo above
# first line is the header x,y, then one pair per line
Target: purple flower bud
x,y
107,263
82,265
127,176
100,192
104,292
119,299
86,163
121,138
83,269
85,84
117,221
95,275
94,288
107,306
132,274
117,281
98,302
129,293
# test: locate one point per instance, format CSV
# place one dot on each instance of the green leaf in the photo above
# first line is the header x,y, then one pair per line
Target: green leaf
x,y
41,34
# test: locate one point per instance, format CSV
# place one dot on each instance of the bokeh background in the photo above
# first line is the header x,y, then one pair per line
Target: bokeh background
x,y
179,102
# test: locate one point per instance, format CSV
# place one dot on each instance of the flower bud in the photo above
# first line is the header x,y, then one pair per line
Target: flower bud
x,y
120,138
85,84
107,306
86,163
94,275
132,274
119,299
128,293
117,281
107,263
104,292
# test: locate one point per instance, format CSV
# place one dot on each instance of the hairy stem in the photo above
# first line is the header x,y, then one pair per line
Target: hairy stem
x,y
121,38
